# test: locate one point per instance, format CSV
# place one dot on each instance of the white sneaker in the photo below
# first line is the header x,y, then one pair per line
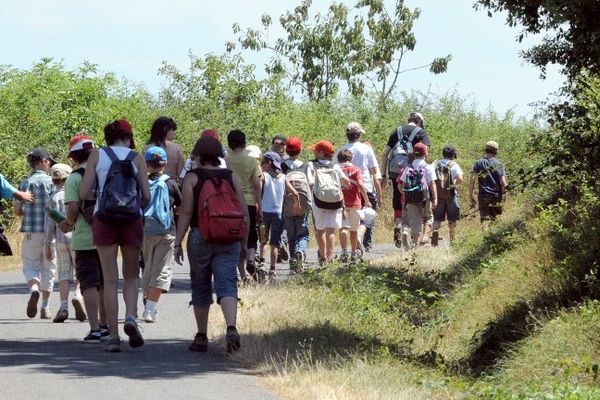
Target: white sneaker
x,y
149,316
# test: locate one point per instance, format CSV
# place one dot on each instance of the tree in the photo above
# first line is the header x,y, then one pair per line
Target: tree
x,y
344,45
571,26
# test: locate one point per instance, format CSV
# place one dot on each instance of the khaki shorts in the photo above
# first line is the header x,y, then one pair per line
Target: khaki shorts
x,y
65,263
158,262
352,219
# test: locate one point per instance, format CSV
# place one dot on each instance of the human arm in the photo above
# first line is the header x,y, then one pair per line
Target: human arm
x,y
142,179
384,165
256,184
433,193
363,191
240,193
185,214
23,196
88,189
472,199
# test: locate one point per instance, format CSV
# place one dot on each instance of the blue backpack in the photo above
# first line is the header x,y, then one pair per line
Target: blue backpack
x,y
121,199
157,216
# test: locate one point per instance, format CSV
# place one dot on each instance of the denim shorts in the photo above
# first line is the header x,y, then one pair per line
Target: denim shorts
x,y
211,265
448,207
274,224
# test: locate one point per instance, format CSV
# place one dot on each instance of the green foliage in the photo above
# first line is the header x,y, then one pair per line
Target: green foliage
x,y
48,104
571,31
343,45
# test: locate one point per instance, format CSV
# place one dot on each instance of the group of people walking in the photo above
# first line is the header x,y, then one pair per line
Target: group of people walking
x,y
240,209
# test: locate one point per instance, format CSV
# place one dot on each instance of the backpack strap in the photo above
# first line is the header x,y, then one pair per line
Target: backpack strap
x,y
130,156
110,153
413,134
164,178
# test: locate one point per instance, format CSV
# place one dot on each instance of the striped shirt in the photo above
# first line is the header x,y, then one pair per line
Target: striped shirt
x,y
57,202
34,215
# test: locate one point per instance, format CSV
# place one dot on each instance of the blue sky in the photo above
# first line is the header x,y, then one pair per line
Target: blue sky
x,y
132,37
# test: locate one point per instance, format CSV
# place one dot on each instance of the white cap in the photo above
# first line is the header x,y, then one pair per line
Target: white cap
x,y
254,151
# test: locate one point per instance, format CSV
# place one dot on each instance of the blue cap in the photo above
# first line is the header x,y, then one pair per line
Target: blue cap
x,y
274,159
156,153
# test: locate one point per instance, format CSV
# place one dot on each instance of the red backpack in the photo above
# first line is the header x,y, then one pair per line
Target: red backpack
x,y
220,216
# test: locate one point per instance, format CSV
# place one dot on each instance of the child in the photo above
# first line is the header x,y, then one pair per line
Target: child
x,y
159,232
87,260
326,180
272,205
38,272
59,243
352,202
296,212
417,182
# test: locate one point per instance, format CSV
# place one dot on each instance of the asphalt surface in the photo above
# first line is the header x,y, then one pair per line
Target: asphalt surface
x,y
39,358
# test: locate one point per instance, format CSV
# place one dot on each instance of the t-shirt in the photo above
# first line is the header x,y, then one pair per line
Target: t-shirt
x,y
81,238
57,202
273,191
40,185
290,165
417,164
352,197
244,168
421,136
490,172
6,189
364,158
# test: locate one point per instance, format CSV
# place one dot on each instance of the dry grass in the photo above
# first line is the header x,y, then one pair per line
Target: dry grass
x,y
304,355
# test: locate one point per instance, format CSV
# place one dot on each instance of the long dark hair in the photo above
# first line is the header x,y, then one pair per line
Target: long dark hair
x,y
158,132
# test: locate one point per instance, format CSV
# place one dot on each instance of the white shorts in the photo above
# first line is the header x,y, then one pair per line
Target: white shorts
x,y
327,218
352,219
35,265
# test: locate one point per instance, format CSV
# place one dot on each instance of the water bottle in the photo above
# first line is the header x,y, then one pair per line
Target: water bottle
x,y
262,234
55,215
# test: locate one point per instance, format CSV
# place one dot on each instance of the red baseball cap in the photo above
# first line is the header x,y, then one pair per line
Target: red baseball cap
x,y
420,149
81,142
210,133
323,145
294,144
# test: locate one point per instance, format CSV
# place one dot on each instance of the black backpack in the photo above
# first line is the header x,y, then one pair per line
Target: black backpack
x,y
121,201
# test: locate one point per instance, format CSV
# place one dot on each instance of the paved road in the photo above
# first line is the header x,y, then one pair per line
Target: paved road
x,y
42,359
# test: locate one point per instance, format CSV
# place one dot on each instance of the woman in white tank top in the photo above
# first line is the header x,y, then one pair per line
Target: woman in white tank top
x,y
108,237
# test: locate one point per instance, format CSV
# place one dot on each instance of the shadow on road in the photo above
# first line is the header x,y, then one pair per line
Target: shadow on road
x,y
161,359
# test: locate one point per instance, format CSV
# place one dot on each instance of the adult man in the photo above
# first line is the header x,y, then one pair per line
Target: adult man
x,y
448,176
278,144
492,184
396,155
364,158
247,172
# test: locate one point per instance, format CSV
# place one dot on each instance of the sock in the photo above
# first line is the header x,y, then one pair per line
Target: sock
x,y
344,251
34,288
129,317
151,305
44,303
231,328
64,304
78,293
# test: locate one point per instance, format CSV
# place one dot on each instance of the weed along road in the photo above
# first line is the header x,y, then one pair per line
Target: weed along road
x,y
38,354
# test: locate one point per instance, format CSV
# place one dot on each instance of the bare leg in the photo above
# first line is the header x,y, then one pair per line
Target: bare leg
x,y
201,315
63,289
108,260
274,253
452,231
229,308
344,238
91,301
330,242
321,242
353,241
153,294
131,278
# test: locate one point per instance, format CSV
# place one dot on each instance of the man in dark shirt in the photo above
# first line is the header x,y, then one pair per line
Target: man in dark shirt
x,y
492,183
415,120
